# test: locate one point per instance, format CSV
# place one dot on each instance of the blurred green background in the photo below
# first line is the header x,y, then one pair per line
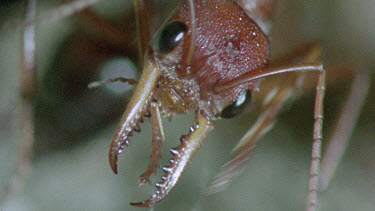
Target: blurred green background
x,y
70,170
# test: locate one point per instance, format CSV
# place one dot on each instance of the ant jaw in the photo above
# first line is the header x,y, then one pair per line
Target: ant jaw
x,y
182,155
137,108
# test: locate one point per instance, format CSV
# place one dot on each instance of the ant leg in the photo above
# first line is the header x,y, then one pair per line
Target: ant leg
x,y
60,12
339,138
118,35
144,12
157,142
246,145
112,33
308,52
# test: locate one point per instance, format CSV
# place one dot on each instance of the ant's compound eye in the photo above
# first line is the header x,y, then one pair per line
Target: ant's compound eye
x,y
237,106
170,36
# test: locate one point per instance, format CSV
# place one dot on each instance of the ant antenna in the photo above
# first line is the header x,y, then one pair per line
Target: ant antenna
x,y
192,40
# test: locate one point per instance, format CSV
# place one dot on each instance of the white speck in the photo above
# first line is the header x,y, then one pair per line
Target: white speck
x,y
167,169
173,151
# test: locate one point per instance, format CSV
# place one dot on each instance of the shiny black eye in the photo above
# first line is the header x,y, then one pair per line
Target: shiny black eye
x,y
170,36
237,106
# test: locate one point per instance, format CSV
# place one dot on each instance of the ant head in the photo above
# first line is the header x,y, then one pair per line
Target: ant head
x,y
202,45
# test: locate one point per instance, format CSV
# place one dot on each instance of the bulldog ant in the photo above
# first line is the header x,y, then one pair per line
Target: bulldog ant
x,y
193,64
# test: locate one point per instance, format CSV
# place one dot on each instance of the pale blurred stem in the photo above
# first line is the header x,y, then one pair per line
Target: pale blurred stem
x,y
28,90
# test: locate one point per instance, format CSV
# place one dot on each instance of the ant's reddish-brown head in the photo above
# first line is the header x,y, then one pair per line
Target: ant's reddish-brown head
x,y
216,46
202,46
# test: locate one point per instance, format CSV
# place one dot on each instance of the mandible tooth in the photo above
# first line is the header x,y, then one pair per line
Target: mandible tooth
x,y
174,151
167,169
137,129
126,143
